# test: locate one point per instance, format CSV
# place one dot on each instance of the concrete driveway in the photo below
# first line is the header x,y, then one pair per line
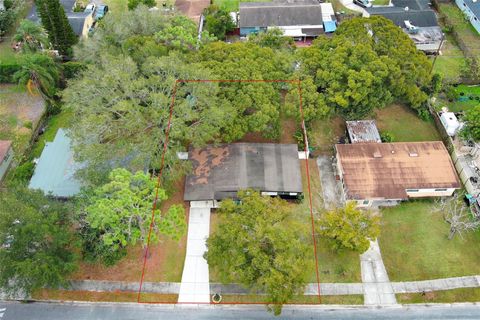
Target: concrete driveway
x,y
332,196
195,286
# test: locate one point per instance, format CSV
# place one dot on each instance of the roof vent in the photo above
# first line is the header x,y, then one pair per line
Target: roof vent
x,y
413,154
377,154
406,9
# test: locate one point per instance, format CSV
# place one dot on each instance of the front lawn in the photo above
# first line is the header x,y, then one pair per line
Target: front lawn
x,y
233,5
444,296
343,299
404,125
415,246
117,296
380,2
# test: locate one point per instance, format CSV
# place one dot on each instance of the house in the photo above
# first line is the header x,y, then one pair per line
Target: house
x,y
386,173
6,157
416,19
80,22
363,131
299,19
471,9
219,172
55,170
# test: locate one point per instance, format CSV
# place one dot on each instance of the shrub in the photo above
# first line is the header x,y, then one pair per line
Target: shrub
x,y
387,137
72,69
28,124
7,70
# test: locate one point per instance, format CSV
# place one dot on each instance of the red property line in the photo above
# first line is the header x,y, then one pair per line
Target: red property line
x,y
157,187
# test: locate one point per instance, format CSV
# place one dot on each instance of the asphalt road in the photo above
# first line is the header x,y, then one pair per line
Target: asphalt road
x,y
88,311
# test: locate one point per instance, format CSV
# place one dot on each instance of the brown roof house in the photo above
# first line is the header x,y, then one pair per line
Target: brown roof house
x,y
386,173
219,172
6,157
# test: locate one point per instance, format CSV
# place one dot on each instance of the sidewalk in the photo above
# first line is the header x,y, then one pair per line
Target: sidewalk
x,y
311,288
377,287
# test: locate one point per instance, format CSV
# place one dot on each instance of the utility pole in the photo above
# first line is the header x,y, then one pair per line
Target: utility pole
x,y
438,52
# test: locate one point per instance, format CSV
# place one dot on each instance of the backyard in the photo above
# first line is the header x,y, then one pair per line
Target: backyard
x,y
415,246
467,34
233,5
20,113
467,97
451,63
404,124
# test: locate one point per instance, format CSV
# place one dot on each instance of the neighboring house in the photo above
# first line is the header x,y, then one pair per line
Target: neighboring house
x,y
80,22
471,8
219,172
416,19
299,19
55,170
6,157
386,173
363,131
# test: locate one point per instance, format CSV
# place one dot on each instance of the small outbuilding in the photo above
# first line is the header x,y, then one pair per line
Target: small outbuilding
x,y
55,170
6,157
219,172
363,131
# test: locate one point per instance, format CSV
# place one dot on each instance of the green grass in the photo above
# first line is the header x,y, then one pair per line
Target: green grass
x,y
232,5
454,16
323,134
451,63
464,103
405,125
343,299
381,2
444,296
415,246
54,123
337,266
115,6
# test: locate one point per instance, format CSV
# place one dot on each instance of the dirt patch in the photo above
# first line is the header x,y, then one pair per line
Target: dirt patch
x,y
192,8
289,126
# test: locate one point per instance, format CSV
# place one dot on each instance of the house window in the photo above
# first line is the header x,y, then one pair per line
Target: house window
x,y
412,190
440,190
475,18
365,202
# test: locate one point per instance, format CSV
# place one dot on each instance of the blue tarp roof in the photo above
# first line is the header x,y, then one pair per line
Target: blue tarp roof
x,y
330,26
55,169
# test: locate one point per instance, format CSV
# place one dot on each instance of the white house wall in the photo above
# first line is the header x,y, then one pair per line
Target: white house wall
x,y
471,17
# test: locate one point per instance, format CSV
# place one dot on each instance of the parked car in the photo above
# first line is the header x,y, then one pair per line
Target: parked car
x,y
101,11
90,8
363,3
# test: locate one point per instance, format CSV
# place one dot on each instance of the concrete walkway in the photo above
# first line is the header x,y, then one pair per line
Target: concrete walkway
x,y
311,288
195,286
330,187
377,287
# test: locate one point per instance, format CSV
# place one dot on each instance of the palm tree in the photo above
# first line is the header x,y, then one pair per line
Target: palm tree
x,y
40,71
32,36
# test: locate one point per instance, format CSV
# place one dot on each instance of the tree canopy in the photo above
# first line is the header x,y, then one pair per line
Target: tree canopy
x,y
368,63
119,214
259,245
471,130
36,242
31,36
55,22
218,21
349,227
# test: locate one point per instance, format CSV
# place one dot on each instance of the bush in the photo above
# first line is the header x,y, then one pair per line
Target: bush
x,y
10,14
451,93
72,69
387,137
28,124
7,70
53,108
23,172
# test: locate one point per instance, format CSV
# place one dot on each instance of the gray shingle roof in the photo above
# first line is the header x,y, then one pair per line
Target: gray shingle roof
x,y
265,14
412,4
419,18
221,171
77,21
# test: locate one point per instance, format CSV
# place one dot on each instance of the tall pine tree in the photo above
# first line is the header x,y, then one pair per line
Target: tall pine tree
x,y
55,21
